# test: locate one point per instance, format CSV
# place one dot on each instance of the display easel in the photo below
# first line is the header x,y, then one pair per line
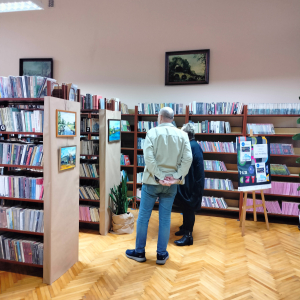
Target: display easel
x,y
254,206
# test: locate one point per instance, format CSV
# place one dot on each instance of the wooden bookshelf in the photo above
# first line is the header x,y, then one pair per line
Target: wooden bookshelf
x,y
22,231
22,166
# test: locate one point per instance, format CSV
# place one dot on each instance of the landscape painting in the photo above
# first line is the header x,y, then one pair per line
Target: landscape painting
x,y
36,67
187,67
114,131
67,158
65,123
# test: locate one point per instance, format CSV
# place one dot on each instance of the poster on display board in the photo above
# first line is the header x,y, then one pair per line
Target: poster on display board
x,y
253,161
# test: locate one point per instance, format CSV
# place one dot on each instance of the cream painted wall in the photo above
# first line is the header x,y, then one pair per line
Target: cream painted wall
x,y
116,48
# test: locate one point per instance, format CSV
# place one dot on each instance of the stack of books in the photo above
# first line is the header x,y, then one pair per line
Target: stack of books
x,y
20,218
26,250
89,192
88,213
139,177
218,184
21,187
125,161
277,169
273,207
92,102
212,127
145,126
273,109
125,126
260,128
283,188
24,86
21,154
290,208
140,161
214,202
89,148
92,124
218,108
18,120
140,143
226,147
154,108
89,170
214,165
285,149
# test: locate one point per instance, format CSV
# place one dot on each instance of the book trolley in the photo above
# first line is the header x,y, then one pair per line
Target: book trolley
x,y
60,204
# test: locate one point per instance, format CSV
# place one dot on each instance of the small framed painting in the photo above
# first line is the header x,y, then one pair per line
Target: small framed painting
x,y
187,67
67,158
114,130
36,67
65,123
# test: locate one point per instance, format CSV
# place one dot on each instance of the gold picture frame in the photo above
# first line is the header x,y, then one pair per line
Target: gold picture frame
x,y
65,123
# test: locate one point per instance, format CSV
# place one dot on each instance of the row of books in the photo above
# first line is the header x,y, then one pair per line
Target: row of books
x,y
89,125
214,165
283,188
20,218
277,169
218,108
286,149
273,109
145,126
19,120
226,147
92,102
218,184
260,128
123,174
139,177
89,148
21,187
124,161
21,154
89,192
24,86
140,143
125,126
22,249
140,161
88,213
154,108
212,127
214,202
290,208
89,170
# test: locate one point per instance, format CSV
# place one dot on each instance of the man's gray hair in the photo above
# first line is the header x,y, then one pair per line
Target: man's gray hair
x,y
167,113
189,129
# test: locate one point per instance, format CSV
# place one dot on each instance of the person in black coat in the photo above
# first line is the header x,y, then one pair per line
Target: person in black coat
x,y
189,195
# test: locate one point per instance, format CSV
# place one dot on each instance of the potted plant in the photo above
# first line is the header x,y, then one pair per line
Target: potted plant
x,y
122,220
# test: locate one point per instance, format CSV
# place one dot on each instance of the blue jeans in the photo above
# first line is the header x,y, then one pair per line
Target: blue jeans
x,y
166,196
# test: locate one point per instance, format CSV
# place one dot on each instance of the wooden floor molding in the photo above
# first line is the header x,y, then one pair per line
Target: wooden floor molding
x,y
220,265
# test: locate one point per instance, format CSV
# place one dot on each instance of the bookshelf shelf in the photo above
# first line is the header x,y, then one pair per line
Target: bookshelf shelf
x,y
91,133
146,115
129,115
274,116
274,135
129,166
90,178
89,200
127,132
20,263
22,166
22,199
130,182
216,116
221,153
275,215
22,231
228,134
280,195
89,155
223,191
231,209
223,172
30,100
89,222
124,148
21,132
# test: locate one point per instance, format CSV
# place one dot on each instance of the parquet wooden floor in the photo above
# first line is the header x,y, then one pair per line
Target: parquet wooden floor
x,y
220,265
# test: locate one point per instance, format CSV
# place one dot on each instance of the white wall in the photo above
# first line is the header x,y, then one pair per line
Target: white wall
x,y
116,48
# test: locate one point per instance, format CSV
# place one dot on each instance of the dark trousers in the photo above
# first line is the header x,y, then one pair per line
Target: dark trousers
x,y
188,215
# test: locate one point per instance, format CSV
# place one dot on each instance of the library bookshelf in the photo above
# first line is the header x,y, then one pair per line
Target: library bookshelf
x,y
285,127
60,248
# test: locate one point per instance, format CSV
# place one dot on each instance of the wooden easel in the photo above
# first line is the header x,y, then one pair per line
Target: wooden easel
x,y
245,207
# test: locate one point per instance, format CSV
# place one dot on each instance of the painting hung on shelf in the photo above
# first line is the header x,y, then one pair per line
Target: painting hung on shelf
x,y
65,123
114,130
187,67
36,67
67,158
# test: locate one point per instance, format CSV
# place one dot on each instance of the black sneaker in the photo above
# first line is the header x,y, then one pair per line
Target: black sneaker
x,y
139,257
161,259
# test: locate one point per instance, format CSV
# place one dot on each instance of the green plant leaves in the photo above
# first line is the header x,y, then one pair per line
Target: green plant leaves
x,y
298,121
298,160
296,137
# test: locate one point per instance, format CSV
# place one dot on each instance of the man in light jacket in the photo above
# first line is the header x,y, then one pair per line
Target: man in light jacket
x,y
168,157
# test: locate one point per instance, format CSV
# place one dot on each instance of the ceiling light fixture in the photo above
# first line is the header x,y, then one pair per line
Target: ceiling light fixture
x,y
20,5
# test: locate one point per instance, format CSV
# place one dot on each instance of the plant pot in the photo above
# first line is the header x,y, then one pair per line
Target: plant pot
x,y
123,223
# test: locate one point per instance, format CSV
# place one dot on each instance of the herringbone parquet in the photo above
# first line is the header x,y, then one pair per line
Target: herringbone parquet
x,y
220,265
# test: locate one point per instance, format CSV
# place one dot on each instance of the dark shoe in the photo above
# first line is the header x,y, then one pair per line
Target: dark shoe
x,y
181,231
161,259
186,240
139,257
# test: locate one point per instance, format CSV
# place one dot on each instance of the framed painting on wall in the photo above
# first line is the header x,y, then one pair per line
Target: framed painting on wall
x,y
114,131
67,158
36,67
65,123
187,67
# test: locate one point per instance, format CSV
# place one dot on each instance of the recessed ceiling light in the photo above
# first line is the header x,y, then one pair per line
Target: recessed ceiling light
x,y
20,5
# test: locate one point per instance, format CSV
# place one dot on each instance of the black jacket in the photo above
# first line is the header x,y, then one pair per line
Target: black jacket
x,y
191,192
